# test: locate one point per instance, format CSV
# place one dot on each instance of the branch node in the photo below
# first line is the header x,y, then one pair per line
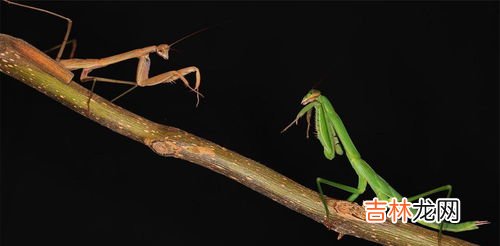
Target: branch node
x,y
163,148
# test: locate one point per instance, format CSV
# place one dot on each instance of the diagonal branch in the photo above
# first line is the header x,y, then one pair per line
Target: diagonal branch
x,y
346,218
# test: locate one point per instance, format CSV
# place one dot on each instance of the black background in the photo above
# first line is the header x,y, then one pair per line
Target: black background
x,y
415,83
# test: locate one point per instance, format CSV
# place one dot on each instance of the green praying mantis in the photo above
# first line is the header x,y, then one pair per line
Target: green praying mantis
x,y
333,135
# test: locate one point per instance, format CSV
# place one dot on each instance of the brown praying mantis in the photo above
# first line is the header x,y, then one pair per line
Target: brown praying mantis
x,y
142,74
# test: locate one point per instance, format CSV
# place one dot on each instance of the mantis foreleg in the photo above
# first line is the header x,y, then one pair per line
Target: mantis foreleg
x,y
304,110
324,132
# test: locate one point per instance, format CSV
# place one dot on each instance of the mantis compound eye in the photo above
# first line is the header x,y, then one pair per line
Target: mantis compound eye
x,y
314,93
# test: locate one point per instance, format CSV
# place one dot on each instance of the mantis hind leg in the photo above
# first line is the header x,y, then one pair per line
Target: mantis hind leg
x,y
68,27
464,226
428,193
355,191
433,191
73,48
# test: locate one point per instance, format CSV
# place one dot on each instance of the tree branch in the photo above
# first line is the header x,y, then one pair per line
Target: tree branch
x,y
346,218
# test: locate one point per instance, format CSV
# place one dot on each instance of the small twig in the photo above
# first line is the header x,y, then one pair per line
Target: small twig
x,y
346,218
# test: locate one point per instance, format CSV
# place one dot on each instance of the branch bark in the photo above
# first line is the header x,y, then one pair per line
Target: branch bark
x,y
346,218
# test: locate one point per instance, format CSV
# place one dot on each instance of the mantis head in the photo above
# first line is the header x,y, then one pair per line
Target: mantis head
x,y
311,96
162,50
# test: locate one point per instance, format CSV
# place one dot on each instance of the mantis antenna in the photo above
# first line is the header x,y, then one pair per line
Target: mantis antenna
x,y
189,35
